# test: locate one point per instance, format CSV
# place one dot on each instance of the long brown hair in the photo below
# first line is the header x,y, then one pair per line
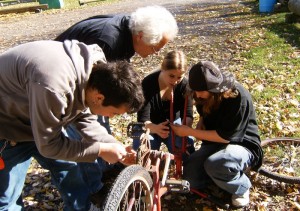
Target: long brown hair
x,y
215,99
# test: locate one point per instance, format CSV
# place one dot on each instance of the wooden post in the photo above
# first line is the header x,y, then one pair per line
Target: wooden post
x,y
24,9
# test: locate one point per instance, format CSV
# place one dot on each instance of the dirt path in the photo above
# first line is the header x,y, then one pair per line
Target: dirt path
x,y
20,28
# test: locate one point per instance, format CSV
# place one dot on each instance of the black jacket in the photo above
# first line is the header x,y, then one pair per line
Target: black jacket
x,y
110,32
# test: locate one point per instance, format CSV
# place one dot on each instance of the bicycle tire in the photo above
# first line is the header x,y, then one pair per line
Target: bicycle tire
x,y
275,175
132,179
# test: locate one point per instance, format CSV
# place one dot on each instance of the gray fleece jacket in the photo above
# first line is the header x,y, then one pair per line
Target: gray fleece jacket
x,y
42,86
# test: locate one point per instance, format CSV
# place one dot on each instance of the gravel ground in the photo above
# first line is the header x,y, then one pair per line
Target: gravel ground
x,y
20,28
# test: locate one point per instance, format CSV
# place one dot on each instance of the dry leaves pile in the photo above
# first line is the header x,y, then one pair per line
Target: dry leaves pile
x,y
207,32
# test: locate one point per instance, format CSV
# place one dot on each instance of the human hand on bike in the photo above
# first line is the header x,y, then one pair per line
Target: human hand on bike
x,y
112,152
161,129
130,157
180,130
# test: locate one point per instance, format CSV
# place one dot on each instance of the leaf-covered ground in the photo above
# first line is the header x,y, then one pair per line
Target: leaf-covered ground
x,y
221,32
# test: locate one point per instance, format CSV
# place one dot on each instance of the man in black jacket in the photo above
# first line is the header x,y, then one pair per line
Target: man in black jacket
x,y
145,32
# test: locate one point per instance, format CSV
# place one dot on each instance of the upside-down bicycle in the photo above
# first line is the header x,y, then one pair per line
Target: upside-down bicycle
x,y
141,186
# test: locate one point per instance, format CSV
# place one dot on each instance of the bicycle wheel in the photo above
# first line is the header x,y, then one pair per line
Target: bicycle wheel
x,y
130,191
281,159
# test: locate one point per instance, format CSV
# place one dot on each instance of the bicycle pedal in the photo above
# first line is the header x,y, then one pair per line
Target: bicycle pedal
x,y
179,186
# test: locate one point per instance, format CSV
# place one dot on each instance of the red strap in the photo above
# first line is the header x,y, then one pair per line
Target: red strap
x,y
172,119
178,152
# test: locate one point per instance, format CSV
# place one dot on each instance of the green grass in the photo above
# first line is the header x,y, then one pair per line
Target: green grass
x,y
272,73
283,157
71,4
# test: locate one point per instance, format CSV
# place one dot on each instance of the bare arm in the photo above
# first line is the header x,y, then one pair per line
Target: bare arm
x,y
209,135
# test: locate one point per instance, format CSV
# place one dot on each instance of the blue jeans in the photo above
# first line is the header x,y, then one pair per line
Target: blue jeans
x,y
65,175
91,172
219,163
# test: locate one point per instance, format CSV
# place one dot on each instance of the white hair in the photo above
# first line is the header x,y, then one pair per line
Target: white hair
x,y
155,22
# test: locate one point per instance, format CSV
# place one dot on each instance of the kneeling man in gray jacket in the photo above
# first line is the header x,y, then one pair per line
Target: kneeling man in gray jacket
x,y
46,85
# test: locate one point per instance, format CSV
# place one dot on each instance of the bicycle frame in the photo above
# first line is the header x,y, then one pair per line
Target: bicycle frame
x,y
151,160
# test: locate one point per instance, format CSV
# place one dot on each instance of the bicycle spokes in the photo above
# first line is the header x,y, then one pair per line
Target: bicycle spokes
x,y
135,198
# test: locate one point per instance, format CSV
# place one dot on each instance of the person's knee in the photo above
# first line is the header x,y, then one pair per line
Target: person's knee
x,y
223,164
155,142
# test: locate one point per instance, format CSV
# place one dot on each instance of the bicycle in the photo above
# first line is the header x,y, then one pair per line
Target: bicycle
x,y
140,186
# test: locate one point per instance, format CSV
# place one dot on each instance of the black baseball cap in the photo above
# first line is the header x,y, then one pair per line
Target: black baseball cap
x,y
206,76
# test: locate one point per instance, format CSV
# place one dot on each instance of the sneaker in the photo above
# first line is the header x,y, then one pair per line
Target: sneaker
x,y
240,200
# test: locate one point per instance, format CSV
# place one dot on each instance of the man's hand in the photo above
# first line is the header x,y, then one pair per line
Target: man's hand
x,y
117,152
112,152
130,157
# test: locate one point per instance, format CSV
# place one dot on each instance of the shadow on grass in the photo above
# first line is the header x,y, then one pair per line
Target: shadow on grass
x,y
289,32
